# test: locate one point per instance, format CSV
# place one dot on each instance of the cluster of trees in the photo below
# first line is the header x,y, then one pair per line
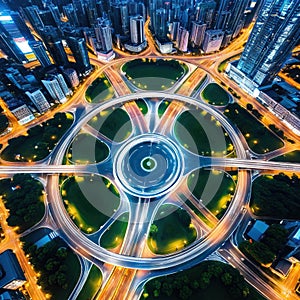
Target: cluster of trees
x,y
255,112
3,122
190,283
49,134
266,250
50,261
22,196
277,197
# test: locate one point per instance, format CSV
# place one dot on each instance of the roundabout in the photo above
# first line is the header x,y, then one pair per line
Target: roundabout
x,y
151,165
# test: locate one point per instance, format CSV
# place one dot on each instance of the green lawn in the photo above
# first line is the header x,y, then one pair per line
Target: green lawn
x,y
86,149
163,107
99,91
92,284
39,141
214,188
89,201
260,139
293,156
173,234
142,106
215,95
152,74
114,236
115,124
193,129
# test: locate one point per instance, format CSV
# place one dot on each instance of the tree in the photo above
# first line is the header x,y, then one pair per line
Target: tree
x,y
249,106
185,293
226,279
153,230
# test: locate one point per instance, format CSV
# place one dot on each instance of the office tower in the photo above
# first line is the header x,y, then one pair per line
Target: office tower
x,y
71,77
182,39
39,100
212,40
124,18
40,53
205,12
32,15
231,16
62,84
70,13
103,35
54,89
197,34
79,50
137,30
10,49
10,32
55,14
174,30
54,45
115,17
160,25
80,12
275,34
19,22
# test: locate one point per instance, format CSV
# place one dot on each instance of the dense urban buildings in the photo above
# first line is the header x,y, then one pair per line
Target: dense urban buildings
x,y
149,149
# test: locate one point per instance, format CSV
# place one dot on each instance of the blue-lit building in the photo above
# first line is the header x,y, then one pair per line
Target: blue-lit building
x,y
275,34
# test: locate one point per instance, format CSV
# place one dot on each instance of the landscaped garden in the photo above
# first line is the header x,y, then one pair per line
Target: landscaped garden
x,y
114,124
90,201
192,129
215,95
214,188
259,138
206,281
114,236
86,149
92,285
39,141
276,196
154,74
24,197
58,266
100,90
171,231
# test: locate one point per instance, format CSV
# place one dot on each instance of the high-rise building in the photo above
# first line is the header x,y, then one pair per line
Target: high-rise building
x,y
62,84
205,12
39,100
182,39
137,30
103,35
212,40
79,50
40,53
160,25
32,15
54,45
197,35
70,13
275,34
53,87
71,77
12,32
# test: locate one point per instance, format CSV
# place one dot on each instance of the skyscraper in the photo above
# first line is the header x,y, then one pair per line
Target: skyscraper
x,y
137,30
39,100
53,87
182,39
197,35
79,50
275,34
103,35
40,53
212,40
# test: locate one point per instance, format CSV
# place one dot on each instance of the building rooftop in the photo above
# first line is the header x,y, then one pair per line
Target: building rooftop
x,y
257,230
283,267
10,268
